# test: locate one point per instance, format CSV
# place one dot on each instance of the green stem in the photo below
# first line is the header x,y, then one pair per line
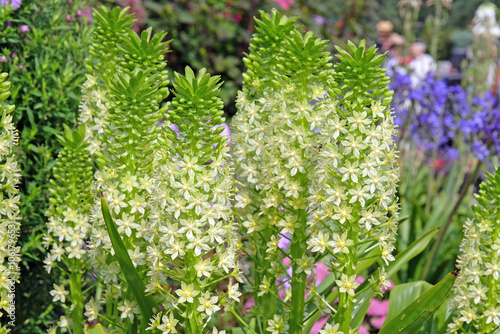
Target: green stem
x,y
437,27
267,302
432,173
470,180
241,321
298,250
346,301
194,324
75,285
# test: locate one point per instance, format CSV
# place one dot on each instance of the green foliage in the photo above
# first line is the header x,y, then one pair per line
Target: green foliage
x,y
195,109
72,174
403,295
45,65
146,302
416,314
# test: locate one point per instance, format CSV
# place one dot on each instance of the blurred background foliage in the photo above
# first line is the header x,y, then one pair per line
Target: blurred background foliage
x,y
46,69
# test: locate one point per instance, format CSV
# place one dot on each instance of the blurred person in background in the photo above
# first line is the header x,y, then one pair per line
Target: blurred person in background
x,y
384,31
395,60
421,64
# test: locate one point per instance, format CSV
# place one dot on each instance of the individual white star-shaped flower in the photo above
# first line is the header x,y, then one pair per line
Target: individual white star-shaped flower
x,y
59,293
186,293
347,284
329,329
208,304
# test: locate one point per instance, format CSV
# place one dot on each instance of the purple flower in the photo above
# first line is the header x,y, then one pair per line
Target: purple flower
x,y
15,4
284,241
24,28
432,115
3,59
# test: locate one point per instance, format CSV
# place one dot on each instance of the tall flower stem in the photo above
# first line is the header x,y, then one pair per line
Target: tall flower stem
x,y
432,174
75,285
470,180
298,251
193,323
437,26
267,300
346,303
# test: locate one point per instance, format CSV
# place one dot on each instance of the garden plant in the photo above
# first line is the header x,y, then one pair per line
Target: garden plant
x,y
160,222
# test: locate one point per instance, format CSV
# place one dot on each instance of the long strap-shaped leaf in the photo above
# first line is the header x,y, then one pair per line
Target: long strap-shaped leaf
x,y
412,318
136,285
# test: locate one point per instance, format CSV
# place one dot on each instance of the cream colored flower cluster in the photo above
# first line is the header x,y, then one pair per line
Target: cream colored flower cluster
x,y
354,192
93,112
475,302
134,88
9,207
315,157
190,211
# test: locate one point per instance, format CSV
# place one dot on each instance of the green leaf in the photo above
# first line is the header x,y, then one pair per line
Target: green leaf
x,y
96,329
136,285
415,248
403,295
413,317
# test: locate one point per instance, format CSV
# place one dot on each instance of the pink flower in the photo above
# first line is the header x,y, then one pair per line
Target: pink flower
x,y
15,4
3,59
378,307
319,325
285,4
284,241
24,28
377,322
321,271
363,330
249,304
359,279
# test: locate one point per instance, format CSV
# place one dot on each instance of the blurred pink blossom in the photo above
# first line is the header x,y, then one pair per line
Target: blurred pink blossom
x,y
378,307
363,330
359,279
319,325
24,28
321,271
377,322
15,4
285,4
